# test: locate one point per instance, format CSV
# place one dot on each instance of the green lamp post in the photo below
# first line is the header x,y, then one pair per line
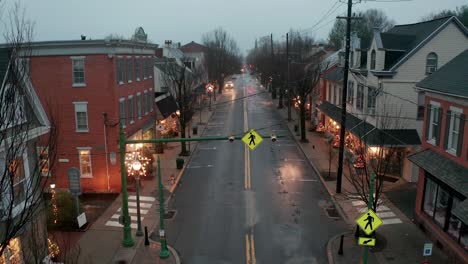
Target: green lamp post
x,y
127,238
162,235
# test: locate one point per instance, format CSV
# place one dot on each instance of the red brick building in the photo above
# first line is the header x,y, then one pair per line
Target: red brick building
x,y
441,201
86,87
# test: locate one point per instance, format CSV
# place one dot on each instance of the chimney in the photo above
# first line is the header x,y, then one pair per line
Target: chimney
x,y
178,44
83,37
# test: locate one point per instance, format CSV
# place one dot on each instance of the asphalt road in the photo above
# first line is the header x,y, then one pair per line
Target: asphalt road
x,y
240,206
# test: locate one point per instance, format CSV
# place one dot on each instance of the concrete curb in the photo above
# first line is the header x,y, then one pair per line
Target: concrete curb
x,y
329,247
170,248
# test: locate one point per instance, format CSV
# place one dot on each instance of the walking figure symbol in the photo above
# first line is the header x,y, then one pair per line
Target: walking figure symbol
x,y
252,139
369,220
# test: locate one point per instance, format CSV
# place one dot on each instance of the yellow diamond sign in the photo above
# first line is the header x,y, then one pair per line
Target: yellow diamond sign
x,y
252,139
366,241
369,222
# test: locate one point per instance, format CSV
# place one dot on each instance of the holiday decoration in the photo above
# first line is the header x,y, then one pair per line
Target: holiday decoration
x,y
54,203
320,128
359,162
336,141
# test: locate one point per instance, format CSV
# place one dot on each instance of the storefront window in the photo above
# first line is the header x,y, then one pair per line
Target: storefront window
x,y
441,207
430,196
454,224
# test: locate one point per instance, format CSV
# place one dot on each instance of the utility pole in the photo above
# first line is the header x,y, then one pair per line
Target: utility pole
x,y
281,88
344,99
273,93
287,77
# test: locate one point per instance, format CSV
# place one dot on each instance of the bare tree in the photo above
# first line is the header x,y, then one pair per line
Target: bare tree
x,y
223,56
21,170
183,81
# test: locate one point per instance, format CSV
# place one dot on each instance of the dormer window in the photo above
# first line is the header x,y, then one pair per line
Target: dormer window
x,y
431,63
351,59
372,62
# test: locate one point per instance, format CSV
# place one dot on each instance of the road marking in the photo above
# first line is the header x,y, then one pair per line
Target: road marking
x,y
386,214
298,160
247,181
209,148
132,217
391,221
247,249
286,145
380,208
250,248
308,180
356,203
142,205
200,166
143,198
134,210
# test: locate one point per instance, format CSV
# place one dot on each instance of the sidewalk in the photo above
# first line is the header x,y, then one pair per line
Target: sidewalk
x,y
102,242
399,240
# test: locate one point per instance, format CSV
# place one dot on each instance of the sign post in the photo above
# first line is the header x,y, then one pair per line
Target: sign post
x,y
74,183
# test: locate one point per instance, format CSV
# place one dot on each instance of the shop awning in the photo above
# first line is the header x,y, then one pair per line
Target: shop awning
x,y
166,105
368,133
444,169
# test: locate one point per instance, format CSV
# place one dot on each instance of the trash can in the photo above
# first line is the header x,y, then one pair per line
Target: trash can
x,y
180,163
195,130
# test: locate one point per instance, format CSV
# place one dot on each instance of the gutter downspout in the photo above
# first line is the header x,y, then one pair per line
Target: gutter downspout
x,y
105,150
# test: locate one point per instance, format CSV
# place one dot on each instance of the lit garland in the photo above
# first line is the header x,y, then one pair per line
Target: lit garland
x,y
130,157
54,249
320,128
54,203
359,162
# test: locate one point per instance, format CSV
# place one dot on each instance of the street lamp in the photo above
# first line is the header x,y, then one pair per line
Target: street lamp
x,y
136,166
164,253
210,92
127,239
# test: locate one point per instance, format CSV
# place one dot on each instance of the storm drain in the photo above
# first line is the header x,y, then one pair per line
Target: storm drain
x,y
169,214
332,212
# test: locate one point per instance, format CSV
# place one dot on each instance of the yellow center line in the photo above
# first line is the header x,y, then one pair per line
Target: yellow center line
x,y
252,245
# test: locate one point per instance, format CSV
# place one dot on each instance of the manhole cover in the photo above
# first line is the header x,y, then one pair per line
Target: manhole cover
x,y
169,214
331,211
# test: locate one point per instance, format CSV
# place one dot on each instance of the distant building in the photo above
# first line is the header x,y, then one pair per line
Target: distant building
x,y
89,87
441,201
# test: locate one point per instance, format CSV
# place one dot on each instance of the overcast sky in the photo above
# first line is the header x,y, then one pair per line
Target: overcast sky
x,y
187,20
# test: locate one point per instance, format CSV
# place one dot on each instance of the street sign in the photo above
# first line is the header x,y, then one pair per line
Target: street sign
x,y
427,249
74,181
369,222
252,139
366,241
81,220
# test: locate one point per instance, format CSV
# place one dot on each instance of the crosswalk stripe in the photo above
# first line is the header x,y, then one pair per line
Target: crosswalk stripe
x,y
117,224
386,214
134,210
356,203
143,198
142,205
132,217
391,221
379,209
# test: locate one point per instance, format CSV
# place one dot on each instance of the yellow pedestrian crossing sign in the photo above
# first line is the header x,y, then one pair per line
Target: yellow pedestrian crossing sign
x,y
366,241
369,222
252,139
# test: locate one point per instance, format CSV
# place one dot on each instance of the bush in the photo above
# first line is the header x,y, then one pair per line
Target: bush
x,y
66,212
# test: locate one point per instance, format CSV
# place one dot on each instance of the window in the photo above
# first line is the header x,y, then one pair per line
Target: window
x,y
142,67
150,67
120,70
151,100
329,92
43,161
420,114
145,68
139,105
372,65
78,64
145,102
371,100
334,94
360,97
16,170
17,173
433,124
350,95
129,69
454,131
85,162
131,111
122,112
351,59
431,63
137,68
81,116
